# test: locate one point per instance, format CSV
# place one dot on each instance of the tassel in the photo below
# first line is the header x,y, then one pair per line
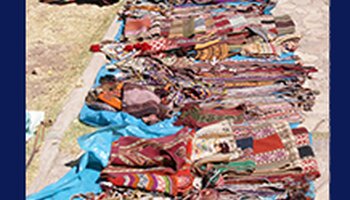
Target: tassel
x,y
95,48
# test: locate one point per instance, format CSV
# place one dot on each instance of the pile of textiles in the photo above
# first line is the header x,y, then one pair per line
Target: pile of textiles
x,y
149,89
223,55
223,161
199,100
228,73
96,2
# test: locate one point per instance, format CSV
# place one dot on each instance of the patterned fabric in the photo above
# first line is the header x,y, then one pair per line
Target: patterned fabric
x,y
159,165
173,82
284,25
271,143
203,27
183,58
135,27
117,193
196,117
98,2
239,111
231,71
269,154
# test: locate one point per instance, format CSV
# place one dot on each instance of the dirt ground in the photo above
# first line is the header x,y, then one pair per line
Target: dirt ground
x,y
58,38
57,52
312,22
57,49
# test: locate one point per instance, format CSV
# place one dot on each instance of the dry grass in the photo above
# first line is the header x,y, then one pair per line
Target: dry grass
x,y
321,135
57,52
32,170
69,143
58,39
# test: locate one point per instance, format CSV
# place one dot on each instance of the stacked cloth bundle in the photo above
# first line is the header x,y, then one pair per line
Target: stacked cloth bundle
x,y
228,74
220,161
212,94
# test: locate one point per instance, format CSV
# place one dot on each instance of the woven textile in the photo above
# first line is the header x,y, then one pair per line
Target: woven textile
x,y
159,165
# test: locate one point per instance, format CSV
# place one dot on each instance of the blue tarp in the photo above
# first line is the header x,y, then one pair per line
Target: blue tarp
x,y
99,142
80,179
99,118
83,178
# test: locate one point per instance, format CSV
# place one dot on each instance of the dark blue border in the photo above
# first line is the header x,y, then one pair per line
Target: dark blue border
x,y
13,99
12,143
340,99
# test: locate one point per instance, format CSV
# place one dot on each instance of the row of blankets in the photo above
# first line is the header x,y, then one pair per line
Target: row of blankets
x,y
231,55
223,78
271,3
228,73
156,91
220,161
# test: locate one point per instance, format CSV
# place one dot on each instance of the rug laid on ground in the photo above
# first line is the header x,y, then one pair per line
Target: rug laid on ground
x,y
198,100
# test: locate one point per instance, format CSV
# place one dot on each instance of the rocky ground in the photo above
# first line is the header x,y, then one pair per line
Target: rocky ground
x,y
58,38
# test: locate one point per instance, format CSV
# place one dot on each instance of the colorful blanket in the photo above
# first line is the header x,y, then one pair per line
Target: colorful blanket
x,y
198,100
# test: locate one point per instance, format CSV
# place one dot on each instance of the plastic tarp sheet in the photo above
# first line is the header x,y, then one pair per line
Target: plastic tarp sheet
x,y
83,178
100,118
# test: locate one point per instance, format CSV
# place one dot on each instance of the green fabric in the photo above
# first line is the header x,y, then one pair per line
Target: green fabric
x,y
241,166
237,166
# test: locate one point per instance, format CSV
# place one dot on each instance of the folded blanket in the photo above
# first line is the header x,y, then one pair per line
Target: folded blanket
x,y
158,165
266,156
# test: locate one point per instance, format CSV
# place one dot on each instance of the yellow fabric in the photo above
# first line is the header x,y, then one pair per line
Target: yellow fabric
x,y
249,84
207,44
